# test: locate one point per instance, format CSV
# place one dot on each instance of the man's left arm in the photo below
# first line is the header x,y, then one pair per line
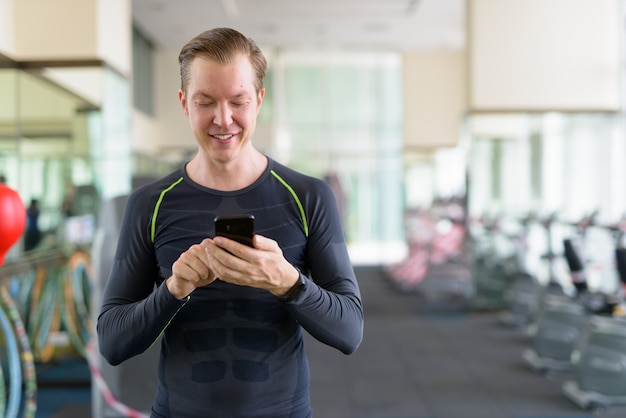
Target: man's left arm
x,y
329,306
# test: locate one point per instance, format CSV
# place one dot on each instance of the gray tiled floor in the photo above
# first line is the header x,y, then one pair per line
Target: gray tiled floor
x,y
446,365
416,363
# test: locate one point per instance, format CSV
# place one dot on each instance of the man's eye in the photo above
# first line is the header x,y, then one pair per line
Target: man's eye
x,y
203,104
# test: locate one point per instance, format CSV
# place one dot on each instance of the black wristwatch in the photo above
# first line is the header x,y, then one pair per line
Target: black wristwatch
x,y
295,290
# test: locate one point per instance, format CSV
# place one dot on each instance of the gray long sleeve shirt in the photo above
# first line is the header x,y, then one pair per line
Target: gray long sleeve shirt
x,y
230,351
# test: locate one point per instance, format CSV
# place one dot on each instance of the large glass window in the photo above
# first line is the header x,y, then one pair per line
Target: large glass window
x,y
340,118
61,144
570,164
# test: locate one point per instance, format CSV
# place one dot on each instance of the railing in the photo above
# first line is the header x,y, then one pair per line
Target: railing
x,y
44,314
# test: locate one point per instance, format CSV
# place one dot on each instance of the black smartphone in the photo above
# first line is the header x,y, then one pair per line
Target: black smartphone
x,y
239,228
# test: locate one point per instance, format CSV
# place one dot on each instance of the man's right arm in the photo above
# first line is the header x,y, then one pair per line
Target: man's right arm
x,y
133,313
127,328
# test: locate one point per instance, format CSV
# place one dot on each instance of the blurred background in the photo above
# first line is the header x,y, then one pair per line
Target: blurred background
x,y
424,115
519,107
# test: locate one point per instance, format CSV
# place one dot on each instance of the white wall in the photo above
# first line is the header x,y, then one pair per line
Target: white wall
x,y
435,98
145,133
54,30
545,55
62,30
7,28
174,128
114,33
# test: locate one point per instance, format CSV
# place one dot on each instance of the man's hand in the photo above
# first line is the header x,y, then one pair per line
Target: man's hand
x,y
191,270
262,267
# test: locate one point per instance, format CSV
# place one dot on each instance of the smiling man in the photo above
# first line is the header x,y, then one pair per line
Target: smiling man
x,y
232,316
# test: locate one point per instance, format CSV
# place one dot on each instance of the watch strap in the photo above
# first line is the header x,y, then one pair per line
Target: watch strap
x,y
295,290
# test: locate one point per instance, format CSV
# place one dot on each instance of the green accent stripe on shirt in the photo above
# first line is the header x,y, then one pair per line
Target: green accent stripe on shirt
x,y
305,224
156,208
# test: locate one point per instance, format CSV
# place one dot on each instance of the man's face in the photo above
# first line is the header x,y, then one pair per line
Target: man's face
x,y
222,106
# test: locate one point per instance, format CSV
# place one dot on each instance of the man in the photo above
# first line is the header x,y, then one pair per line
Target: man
x,y
232,316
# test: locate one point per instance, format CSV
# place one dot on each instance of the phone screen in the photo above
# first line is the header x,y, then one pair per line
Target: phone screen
x,y
239,228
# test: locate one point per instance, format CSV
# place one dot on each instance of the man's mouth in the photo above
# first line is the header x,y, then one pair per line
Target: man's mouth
x,y
225,137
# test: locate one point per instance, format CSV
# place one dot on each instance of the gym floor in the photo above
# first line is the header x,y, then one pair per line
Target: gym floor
x,y
414,362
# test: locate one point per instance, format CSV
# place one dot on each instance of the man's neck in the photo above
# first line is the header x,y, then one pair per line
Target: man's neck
x,y
233,175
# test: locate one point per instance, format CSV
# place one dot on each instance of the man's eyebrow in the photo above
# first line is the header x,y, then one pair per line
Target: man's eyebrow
x,y
242,95
201,95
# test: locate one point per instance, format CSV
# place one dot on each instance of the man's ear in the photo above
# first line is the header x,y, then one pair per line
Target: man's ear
x,y
183,101
259,100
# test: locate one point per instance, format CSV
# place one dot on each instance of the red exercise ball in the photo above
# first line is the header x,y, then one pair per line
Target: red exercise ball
x,y
12,219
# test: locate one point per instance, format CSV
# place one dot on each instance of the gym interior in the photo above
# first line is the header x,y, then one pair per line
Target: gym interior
x,y
477,150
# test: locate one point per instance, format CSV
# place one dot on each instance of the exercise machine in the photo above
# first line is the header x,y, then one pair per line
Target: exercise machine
x,y
494,263
599,358
554,334
558,319
523,293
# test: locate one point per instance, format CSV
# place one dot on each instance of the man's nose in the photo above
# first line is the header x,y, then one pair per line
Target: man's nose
x,y
223,116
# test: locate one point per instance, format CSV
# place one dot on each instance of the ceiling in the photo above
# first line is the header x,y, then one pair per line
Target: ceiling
x,y
372,25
